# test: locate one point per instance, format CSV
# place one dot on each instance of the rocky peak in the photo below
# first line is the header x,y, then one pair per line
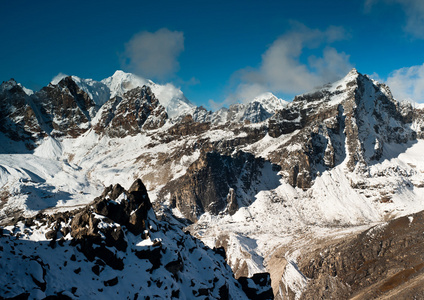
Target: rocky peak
x,y
138,109
8,85
66,109
18,119
256,111
84,102
347,122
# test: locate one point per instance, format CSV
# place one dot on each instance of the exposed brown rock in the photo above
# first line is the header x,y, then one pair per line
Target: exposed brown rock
x,y
188,127
382,261
65,108
18,119
137,109
209,181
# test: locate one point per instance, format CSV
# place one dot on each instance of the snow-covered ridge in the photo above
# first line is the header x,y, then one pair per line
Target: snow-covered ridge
x,y
120,82
174,100
258,110
171,97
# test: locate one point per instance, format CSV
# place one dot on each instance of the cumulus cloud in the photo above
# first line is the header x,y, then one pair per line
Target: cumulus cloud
x,y
282,71
407,83
414,11
154,54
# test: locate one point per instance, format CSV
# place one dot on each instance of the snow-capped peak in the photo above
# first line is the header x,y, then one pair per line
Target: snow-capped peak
x,y
265,96
121,82
342,84
171,97
8,85
270,102
27,91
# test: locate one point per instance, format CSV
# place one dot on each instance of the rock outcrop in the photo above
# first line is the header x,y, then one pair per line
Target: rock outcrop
x,y
114,247
65,108
18,119
215,183
385,261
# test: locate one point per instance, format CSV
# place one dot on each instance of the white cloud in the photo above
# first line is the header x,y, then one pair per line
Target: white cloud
x,y
58,78
281,69
154,54
414,11
407,83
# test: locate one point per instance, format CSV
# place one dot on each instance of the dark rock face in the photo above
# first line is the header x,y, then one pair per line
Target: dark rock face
x,y
59,110
261,280
18,119
286,121
216,181
125,208
385,260
130,211
65,108
137,109
188,127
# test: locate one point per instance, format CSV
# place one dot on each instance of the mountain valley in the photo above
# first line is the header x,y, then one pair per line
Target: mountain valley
x,y
315,198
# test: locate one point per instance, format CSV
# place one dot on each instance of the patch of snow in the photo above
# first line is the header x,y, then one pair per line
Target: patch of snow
x,y
49,148
293,279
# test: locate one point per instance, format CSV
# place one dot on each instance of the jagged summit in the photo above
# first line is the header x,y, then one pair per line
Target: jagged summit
x,y
351,87
121,82
11,83
7,85
353,72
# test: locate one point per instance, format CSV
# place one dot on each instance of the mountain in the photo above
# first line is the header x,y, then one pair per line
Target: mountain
x,y
255,111
18,116
170,97
269,181
120,82
128,114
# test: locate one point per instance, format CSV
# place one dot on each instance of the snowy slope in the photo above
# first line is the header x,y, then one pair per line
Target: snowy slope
x,y
32,182
97,91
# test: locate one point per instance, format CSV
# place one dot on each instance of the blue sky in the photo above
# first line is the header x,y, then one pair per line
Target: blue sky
x,y
217,52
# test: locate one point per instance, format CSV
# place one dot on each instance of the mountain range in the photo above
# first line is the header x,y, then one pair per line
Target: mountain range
x,y
289,192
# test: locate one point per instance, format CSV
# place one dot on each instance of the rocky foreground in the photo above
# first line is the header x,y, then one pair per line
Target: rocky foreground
x,y
115,248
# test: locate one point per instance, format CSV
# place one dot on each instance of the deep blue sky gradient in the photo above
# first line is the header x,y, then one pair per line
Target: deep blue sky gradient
x,y
39,39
